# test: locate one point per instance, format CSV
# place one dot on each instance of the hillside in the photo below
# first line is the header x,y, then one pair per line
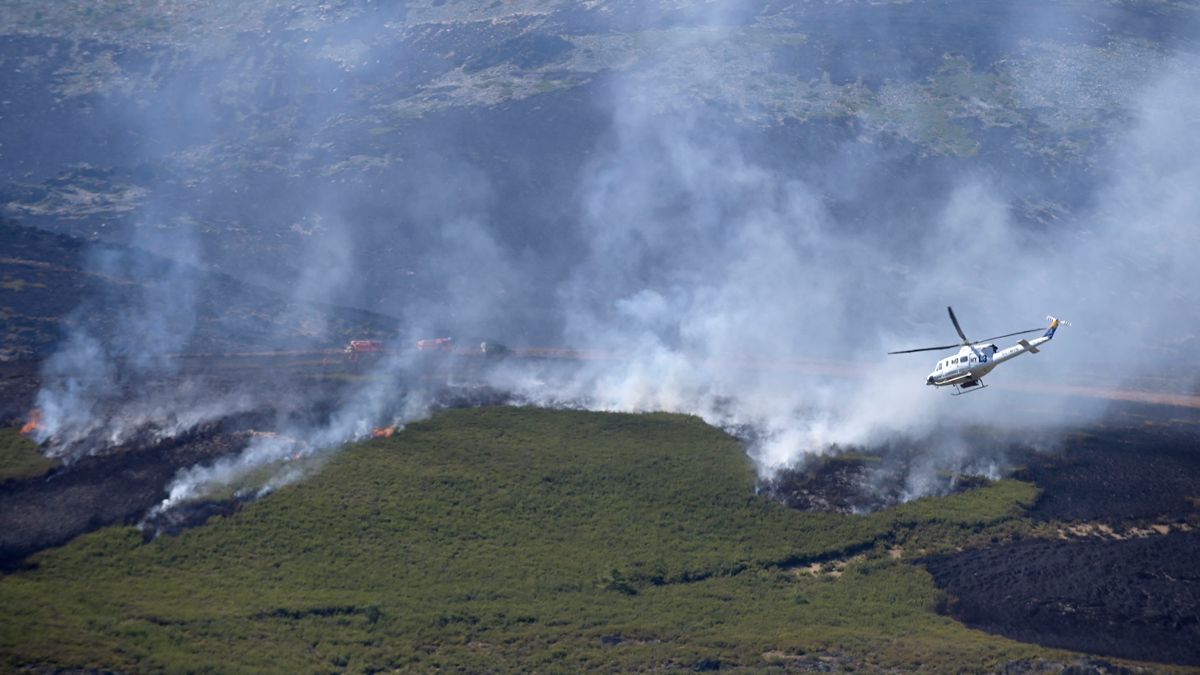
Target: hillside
x,y
46,278
670,214
276,132
518,539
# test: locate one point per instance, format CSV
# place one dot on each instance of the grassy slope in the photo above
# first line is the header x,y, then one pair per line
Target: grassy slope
x,y
20,457
510,539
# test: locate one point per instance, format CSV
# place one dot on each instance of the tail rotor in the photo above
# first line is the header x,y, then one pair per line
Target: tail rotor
x,y
1054,324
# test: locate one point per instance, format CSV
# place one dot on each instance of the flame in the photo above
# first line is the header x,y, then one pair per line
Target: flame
x,y
34,423
383,432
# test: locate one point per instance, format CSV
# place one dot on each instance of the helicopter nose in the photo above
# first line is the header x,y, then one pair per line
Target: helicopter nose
x,y
929,380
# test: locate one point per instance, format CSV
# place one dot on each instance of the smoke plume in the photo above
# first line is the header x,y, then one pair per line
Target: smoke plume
x,y
730,211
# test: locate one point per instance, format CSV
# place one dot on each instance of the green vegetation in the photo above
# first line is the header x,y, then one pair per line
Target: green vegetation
x,y
514,539
20,457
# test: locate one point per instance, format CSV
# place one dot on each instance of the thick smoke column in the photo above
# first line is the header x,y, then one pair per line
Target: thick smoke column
x,y
743,241
700,259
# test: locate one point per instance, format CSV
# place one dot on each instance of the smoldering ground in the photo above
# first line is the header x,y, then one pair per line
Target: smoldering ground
x,y
726,216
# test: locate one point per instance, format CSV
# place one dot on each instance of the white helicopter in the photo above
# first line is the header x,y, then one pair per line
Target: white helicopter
x,y
965,370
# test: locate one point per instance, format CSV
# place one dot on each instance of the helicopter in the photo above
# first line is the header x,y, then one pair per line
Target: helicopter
x,y
965,370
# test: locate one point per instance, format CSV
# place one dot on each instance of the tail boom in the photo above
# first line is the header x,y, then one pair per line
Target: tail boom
x,y
1054,324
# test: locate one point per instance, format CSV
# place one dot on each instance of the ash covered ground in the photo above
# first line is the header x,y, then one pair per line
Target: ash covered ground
x,y
1136,597
1120,578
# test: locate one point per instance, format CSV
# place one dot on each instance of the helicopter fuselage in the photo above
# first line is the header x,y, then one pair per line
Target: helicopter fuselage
x,y
965,370
972,362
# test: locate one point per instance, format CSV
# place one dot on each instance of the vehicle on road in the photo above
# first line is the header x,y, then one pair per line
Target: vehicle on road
x,y
439,344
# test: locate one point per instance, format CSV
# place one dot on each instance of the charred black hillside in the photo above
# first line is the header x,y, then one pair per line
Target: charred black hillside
x,y
1119,476
1136,598
117,487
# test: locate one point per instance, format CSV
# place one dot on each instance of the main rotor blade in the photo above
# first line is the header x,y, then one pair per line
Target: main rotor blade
x,y
934,349
1020,332
924,349
954,319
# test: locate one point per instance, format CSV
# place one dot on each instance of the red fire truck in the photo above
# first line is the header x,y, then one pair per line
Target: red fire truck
x,y
442,344
359,349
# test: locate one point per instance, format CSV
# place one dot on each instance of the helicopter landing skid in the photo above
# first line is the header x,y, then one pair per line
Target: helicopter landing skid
x,y
968,387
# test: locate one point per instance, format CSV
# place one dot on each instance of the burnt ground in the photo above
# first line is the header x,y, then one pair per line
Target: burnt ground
x,y
1131,593
1119,476
1134,598
102,490
862,481
111,485
1142,463
116,485
836,484
52,284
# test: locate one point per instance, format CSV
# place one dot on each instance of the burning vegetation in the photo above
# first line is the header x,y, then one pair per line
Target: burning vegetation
x,y
33,423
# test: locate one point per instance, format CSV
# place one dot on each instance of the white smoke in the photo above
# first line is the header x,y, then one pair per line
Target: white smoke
x,y
99,387
271,461
715,286
706,274
709,274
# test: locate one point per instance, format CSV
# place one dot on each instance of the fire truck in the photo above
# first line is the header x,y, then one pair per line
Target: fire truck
x,y
442,344
360,349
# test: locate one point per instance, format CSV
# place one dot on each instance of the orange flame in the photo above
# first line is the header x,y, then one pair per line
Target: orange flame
x,y
33,423
383,432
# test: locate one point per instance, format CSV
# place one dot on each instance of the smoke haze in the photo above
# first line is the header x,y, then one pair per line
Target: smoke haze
x,y
737,212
